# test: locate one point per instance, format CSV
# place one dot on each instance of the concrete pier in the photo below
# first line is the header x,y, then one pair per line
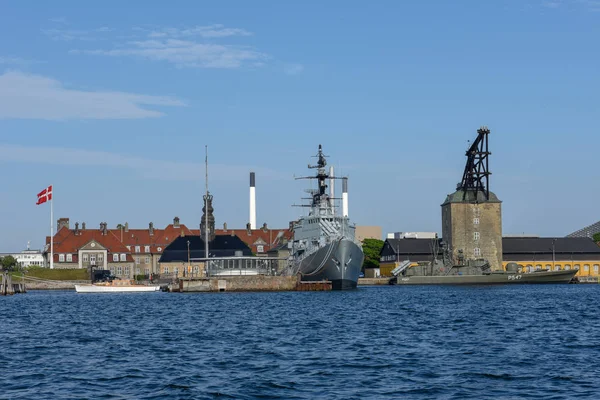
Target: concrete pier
x,y
252,283
373,281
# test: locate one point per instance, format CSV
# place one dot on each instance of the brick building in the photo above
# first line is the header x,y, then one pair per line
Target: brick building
x,y
128,252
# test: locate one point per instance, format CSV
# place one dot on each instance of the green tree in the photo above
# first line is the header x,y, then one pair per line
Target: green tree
x,y
120,226
596,237
372,248
9,263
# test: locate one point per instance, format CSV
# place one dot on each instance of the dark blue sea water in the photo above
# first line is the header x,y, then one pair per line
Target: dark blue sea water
x,y
501,342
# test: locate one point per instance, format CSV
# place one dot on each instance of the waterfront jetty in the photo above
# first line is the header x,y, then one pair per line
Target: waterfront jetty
x,y
247,283
8,287
373,281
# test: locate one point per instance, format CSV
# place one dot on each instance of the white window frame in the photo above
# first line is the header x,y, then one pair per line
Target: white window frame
x,y
115,257
146,249
166,269
260,248
92,259
538,267
567,267
100,257
137,260
476,221
557,268
61,258
477,252
123,257
119,270
596,267
69,257
176,270
85,257
576,266
476,235
586,267
137,249
147,260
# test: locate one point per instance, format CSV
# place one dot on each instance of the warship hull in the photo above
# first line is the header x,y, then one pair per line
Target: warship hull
x,y
339,262
500,278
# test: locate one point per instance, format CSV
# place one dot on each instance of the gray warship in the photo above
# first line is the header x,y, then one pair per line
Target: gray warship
x,y
324,247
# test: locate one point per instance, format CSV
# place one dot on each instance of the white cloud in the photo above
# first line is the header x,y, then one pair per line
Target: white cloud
x,y
185,47
210,31
16,60
28,96
293,69
185,53
68,35
591,5
144,167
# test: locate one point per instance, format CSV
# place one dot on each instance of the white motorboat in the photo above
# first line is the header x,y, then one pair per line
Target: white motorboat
x,y
115,286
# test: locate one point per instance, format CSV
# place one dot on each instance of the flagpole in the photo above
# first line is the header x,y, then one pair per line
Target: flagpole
x,y
206,204
52,230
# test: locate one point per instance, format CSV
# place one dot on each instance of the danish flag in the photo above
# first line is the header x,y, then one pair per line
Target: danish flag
x,y
44,195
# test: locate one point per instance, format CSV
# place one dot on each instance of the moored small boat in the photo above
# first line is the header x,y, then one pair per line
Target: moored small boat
x,y
115,286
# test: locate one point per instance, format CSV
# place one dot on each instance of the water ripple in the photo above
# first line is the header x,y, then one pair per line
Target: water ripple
x,y
527,342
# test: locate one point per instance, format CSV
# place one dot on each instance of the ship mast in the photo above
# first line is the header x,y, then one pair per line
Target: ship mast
x,y
319,197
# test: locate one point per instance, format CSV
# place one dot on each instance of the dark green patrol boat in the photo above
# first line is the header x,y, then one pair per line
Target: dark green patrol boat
x,y
473,272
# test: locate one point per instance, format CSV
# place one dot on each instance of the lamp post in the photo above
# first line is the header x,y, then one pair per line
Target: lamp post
x,y
553,255
188,266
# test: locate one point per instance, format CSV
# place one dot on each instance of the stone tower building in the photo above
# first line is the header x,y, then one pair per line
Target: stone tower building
x,y
472,215
210,217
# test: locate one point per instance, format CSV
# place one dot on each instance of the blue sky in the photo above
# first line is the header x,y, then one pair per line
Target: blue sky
x,y
113,103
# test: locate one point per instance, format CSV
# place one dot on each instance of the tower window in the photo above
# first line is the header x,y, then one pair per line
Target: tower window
x,y
475,221
476,235
477,252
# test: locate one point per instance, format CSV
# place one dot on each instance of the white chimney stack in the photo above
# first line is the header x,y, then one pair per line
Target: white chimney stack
x,y
344,197
331,190
252,201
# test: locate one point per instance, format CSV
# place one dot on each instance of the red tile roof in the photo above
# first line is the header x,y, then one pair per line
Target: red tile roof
x,y
117,240
67,242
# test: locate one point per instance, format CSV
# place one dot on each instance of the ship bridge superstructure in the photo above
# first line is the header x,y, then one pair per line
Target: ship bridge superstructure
x,y
322,225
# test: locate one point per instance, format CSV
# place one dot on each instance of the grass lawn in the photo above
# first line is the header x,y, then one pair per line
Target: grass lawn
x,y
56,274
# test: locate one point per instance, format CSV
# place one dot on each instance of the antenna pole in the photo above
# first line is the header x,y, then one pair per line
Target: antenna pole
x,y
206,205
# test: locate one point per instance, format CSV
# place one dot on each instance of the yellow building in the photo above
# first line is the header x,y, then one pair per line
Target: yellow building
x,y
532,253
535,253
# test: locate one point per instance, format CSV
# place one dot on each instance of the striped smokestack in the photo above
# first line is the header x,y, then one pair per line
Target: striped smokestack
x,y
252,201
344,197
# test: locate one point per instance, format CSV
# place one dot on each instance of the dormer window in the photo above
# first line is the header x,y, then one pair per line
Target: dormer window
x,y
115,257
123,257
137,249
146,249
